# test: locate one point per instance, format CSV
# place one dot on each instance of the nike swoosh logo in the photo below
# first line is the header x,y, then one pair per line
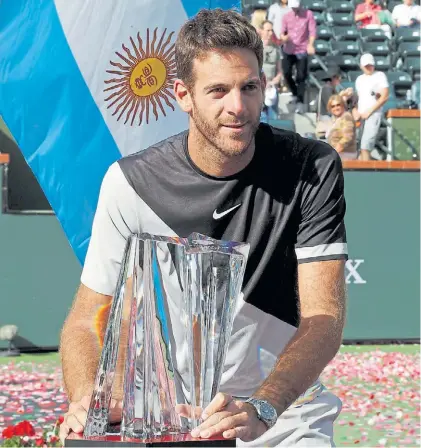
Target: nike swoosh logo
x,y
217,215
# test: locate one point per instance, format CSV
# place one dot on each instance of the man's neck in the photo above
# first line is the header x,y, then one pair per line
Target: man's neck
x,y
211,160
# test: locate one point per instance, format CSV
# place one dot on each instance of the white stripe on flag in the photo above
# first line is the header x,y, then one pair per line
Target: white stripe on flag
x,y
321,250
95,31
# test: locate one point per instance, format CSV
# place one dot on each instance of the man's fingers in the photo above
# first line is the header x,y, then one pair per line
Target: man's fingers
x,y
185,410
63,433
213,420
74,423
217,404
240,432
226,424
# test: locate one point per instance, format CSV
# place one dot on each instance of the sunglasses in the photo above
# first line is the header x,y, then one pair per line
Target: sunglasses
x,y
335,105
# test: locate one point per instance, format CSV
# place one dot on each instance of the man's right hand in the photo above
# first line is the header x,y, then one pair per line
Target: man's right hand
x,y
75,417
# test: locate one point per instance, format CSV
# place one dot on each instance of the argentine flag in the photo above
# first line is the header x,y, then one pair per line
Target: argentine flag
x,y
85,82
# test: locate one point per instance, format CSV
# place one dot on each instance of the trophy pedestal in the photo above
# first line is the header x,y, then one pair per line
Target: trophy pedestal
x,y
77,440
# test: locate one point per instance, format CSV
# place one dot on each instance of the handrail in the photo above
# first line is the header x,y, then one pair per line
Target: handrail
x,y
381,165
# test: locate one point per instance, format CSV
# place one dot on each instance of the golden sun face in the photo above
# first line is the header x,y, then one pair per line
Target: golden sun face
x,y
145,79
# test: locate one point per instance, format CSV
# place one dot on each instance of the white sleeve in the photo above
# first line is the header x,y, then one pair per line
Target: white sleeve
x,y
382,81
115,220
271,14
395,13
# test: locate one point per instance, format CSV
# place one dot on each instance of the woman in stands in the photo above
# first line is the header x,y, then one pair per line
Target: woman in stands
x,y
342,134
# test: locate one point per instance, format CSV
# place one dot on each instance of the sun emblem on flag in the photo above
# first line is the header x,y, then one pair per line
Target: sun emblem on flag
x,y
145,76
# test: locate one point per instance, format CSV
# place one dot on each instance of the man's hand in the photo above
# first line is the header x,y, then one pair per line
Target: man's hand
x,y
310,49
230,418
356,115
75,417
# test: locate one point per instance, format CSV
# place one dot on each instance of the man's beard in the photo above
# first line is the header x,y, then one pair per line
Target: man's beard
x,y
220,143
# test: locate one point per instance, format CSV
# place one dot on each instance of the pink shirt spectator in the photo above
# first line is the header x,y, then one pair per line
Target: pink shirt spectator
x,y
300,27
367,7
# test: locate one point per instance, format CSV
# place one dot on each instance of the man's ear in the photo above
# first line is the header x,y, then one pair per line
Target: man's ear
x,y
182,96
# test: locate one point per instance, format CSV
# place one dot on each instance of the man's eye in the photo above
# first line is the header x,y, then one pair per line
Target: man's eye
x,y
250,87
218,90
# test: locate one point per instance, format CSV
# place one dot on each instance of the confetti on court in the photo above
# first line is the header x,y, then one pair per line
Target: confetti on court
x,y
380,392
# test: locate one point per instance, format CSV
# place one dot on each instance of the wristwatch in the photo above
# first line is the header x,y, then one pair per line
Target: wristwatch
x,y
265,411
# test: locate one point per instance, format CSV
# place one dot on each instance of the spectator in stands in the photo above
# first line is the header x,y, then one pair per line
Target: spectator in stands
x,y
407,15
275,15
365,13
341,134
257,19
271,69
373,91
298,33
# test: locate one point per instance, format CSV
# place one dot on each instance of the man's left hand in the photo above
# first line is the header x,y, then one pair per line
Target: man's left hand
x,y
231,419
310,50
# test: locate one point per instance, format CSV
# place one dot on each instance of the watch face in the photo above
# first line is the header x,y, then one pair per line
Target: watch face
x,y
267,411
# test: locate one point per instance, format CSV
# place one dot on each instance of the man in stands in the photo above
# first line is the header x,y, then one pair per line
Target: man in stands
x,y
276,14
271,69
373,91
366,13
407,14
298,33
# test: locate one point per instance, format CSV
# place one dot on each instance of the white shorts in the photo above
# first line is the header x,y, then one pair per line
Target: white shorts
x,y
308,425
370,131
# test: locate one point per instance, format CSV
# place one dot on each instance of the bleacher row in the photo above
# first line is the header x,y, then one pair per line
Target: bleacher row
x,y
341,43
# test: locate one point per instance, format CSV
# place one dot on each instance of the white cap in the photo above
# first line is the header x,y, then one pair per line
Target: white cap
x,y
294,3
270,96
367,59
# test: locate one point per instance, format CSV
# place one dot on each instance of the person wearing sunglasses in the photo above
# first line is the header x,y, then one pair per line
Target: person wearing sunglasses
x,y
342,134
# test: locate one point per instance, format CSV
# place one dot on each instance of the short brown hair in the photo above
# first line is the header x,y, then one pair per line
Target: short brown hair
x,y
213,29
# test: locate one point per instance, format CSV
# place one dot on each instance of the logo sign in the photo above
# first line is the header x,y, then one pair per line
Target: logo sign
x,y
353,272
142,79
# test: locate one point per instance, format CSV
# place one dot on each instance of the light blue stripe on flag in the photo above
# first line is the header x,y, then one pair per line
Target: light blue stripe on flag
x,y
50,111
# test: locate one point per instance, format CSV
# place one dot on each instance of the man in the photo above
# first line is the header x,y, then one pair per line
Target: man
x,y
231,178
407,14
275,15
272,70
298,33
372,89
365,13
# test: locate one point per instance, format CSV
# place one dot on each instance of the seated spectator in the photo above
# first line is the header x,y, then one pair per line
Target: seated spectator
x,y
407,15
275,14
271,69
365,13
341,134
371,15
373,91
332,81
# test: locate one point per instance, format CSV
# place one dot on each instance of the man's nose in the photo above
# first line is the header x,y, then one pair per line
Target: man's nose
x,y
235,102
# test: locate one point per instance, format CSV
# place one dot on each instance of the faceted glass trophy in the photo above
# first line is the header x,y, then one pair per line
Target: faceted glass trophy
x,y
178,296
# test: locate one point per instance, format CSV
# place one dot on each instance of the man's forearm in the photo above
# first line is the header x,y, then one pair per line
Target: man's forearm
x,y
315,343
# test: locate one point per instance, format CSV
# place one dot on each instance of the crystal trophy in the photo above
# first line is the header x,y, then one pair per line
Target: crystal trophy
x,y
178,297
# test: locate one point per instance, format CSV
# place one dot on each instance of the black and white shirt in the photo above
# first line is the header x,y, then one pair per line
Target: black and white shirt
x,y
288,204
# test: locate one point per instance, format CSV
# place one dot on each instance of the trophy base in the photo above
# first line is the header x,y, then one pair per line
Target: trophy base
x,y
77,440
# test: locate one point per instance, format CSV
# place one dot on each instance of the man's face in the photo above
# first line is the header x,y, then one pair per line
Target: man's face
x,y
227,99
368,69
407,2
267,32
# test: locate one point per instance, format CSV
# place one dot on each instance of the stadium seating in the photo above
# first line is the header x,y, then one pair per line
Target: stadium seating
x,y
400,82
375,48
407,35
345,47
324,32
369,35
344,62
412,66
409,49
319,17
322,47
314,5
340,6
383,63
346,33
340,18
353,75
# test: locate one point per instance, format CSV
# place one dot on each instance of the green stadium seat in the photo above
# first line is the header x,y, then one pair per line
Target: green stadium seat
x,y
314,5
376,35
409,49
400,82
319,17
412,66
383,63
340,18
288,125
375,48
344,62
392,3
345,47
313,64
353,75
407,35
322,47
339,6
346,33
324,32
